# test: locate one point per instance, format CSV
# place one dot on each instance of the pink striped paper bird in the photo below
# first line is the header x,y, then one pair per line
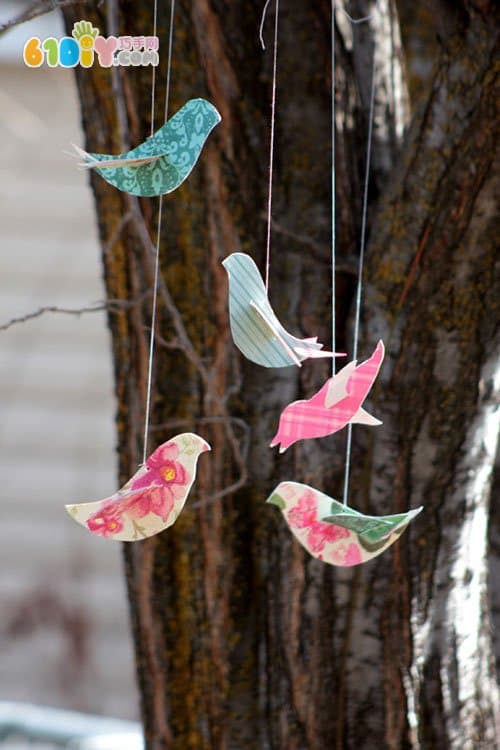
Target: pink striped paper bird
x,y
337,403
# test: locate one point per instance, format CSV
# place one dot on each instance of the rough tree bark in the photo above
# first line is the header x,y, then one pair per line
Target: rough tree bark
x,y
241,640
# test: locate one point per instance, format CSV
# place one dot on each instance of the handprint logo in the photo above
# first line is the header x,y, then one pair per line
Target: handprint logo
x,y
85,35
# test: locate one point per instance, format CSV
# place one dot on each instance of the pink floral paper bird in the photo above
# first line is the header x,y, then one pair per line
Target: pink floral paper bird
x,y
152,499
333,532
336,404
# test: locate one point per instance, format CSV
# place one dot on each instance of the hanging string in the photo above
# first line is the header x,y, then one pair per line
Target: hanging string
x,y
363,19
332,65
153,73
158,229
271,137
359,287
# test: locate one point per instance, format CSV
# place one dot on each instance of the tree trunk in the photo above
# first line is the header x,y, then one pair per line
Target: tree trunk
x,y
243,641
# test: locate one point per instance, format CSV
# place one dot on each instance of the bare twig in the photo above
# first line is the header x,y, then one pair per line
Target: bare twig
x,y
225,420
229,490
51,309
40,8
172,344
346,265
117,232
113,306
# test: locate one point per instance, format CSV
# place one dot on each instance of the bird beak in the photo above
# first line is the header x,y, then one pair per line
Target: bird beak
x,y
275,499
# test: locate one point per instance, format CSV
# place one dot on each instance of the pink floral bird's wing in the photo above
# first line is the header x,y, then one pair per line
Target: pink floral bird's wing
x,y
350,538
152,499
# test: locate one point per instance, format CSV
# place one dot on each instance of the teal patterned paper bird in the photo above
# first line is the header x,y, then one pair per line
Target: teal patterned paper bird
x,y
256,330
160,164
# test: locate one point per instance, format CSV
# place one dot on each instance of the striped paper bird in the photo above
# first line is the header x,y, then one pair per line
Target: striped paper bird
x,y
337,403
256,330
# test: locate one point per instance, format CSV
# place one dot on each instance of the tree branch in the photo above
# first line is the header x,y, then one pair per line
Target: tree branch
x,y
225,420
40,8
347,265
113,306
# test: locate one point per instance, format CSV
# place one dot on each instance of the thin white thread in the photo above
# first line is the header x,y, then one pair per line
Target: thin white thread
x,y
169,61
158,238
359,287
334,322
271,137
334,238
153,72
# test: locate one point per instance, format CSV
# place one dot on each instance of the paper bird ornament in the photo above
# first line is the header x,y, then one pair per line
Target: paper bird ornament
x,y
152,500
256,330
335,533
163,161
336,404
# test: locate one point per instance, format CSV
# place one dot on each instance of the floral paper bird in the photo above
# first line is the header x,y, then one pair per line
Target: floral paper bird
x,y
163,161
152,499
335,533
256,330
336,404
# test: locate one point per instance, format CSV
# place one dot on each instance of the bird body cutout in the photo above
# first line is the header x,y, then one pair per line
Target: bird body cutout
x,y
152,499
162,162
333,532
256,330
337,403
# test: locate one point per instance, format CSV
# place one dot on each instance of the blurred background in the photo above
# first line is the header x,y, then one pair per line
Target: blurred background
x,y
64,630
